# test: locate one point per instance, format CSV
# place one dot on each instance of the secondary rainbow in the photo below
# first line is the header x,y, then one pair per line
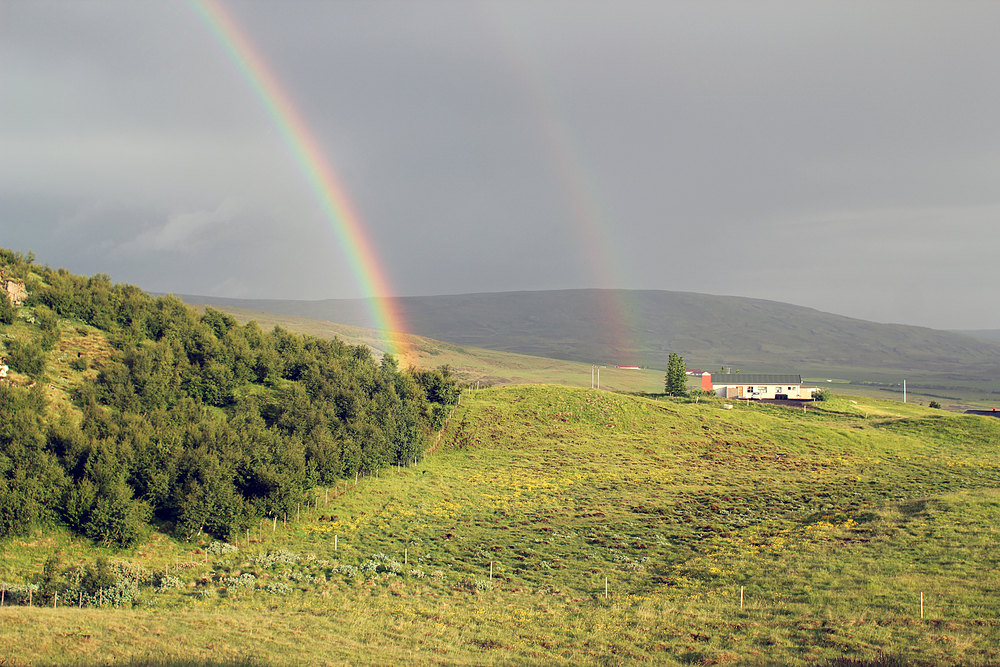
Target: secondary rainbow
x,y
309,157
590,215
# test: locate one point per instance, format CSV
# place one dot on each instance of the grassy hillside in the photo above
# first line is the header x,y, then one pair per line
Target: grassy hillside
x,y
617,530
184,419
708,331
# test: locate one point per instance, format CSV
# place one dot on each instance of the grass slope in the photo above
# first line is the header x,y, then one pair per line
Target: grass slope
x,y
78,342
832,522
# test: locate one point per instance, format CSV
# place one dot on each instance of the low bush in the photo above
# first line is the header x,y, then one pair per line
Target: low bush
x,y
221,548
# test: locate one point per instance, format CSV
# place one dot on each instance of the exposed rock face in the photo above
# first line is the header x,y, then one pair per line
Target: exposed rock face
x,y
16,292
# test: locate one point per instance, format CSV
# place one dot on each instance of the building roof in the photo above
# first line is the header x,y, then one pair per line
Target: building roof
x,y
755,378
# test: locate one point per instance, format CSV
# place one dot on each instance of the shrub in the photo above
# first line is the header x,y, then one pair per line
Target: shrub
x,y
8,313
27,358
92,578
51,581
219,548
117,518
121,575
822,395
18,593
242,583
348,571
122,594
934,404
168,582
272,558
278,588
381,563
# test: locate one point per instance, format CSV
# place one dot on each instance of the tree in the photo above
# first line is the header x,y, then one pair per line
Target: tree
x,y
26,357
8,313
676,380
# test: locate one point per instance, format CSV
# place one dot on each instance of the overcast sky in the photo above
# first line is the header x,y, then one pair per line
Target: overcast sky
x,y
838,155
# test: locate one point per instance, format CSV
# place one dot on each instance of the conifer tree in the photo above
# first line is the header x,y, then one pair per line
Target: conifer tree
x,y
675,383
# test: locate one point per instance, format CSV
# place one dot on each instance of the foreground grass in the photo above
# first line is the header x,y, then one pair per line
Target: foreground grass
x,y
489,629
832,523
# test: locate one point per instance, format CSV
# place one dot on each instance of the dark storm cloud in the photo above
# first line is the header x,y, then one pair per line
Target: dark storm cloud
x,y
838,155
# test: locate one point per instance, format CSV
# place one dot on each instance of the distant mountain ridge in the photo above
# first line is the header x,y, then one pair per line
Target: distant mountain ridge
x,y
709,331
992,335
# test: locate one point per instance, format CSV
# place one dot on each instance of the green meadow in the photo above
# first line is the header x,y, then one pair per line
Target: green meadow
x,y
569,526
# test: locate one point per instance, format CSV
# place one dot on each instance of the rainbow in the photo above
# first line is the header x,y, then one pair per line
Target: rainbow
x,y
316,169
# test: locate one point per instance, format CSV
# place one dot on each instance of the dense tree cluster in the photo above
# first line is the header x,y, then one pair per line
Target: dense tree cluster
x,y
197,422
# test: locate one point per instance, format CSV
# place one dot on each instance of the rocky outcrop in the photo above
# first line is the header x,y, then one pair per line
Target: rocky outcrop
x,y
15,291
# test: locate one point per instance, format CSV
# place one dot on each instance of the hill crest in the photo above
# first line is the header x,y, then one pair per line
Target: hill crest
x,y
708,330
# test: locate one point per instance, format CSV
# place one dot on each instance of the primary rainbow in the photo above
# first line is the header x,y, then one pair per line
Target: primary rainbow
x,y
308,155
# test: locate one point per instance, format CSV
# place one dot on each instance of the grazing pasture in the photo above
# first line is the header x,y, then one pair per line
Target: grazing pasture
x,y
556,526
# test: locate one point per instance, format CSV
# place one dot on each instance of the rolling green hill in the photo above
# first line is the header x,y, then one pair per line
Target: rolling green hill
x,y
708,331
177,488
559,526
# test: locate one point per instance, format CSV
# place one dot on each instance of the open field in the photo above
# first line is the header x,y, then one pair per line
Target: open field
x,y
921,390
580,527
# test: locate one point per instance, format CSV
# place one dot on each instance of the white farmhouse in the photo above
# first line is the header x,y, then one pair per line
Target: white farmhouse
x,y
757,385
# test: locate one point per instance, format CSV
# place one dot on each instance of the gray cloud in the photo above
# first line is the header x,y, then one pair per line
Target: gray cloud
x,y
182,232
839,155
